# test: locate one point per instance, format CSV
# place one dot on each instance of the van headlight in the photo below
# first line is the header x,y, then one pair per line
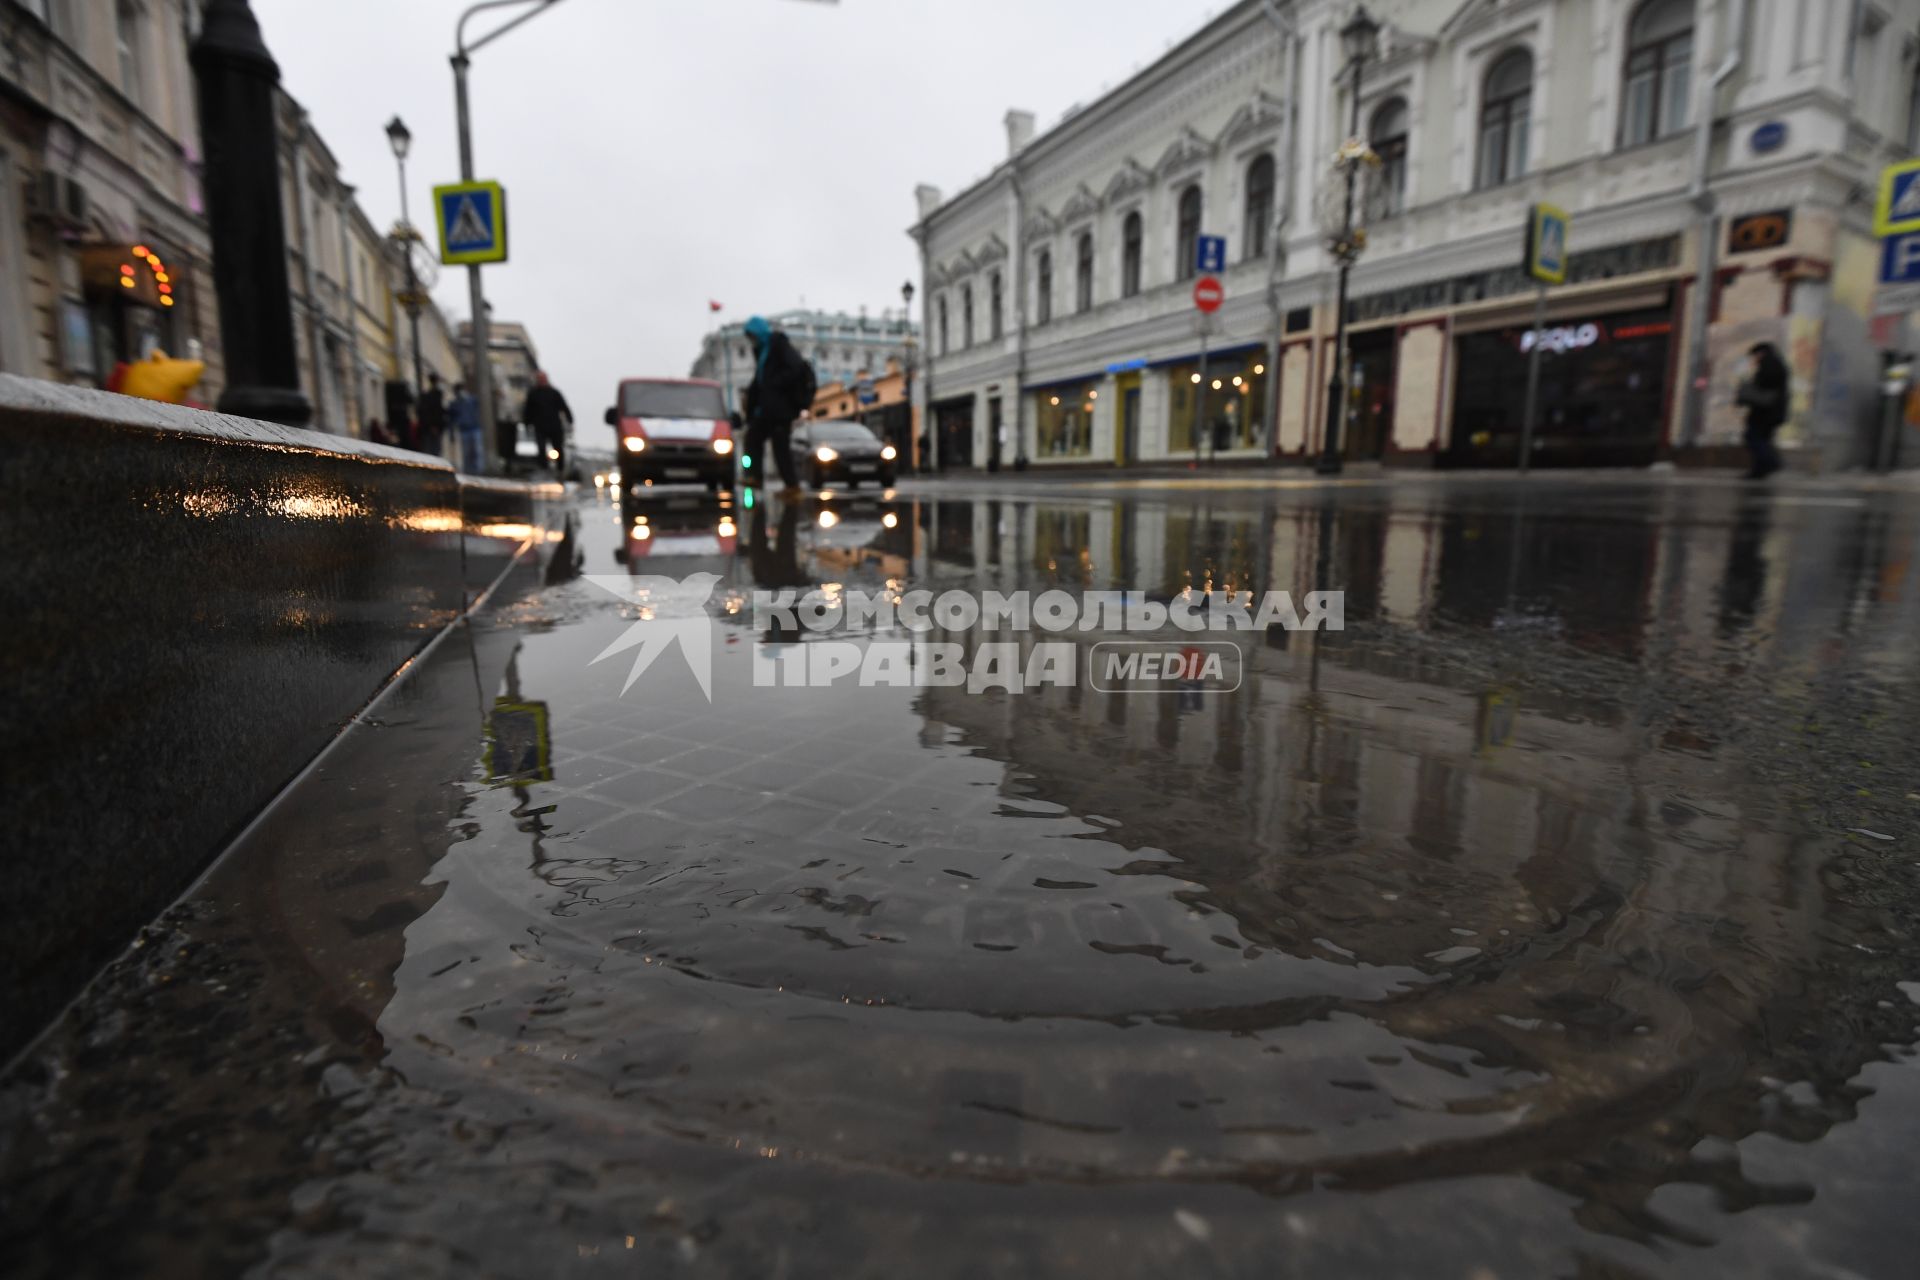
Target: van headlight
x,y
723,446
634,444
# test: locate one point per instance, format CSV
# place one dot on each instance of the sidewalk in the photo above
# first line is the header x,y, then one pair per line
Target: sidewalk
x,y
1256,476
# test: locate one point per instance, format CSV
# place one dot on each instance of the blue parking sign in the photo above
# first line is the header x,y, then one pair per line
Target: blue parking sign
x,y
1210,254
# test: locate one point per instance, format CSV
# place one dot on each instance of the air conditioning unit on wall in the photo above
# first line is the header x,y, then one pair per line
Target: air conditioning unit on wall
x,y
58,199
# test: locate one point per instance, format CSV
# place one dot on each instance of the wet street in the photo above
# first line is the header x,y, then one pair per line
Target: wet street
x,y
1555,917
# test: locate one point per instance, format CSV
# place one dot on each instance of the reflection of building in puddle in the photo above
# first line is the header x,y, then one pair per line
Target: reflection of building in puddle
x,y
1551,873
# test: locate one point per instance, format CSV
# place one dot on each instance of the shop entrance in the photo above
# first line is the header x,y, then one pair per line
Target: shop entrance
x,y
953,432
1126,423
1370,395
1603,391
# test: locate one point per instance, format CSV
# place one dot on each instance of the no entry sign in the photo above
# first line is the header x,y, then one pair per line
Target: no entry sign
x,y
1207,294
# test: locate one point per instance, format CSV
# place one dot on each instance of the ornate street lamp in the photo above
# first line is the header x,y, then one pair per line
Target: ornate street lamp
x,y
906,365
1360,37
401,139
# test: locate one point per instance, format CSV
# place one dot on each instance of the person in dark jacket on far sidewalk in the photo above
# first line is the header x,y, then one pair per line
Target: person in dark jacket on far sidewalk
x,y
1763,393
782,389
547,413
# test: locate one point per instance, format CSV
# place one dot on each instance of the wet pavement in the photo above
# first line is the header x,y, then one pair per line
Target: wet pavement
x,y
1554,918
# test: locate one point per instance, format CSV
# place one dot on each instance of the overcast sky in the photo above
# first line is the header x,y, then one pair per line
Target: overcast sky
x,y
659,153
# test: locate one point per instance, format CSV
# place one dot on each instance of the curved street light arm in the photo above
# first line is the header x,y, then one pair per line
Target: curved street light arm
x,y
462,49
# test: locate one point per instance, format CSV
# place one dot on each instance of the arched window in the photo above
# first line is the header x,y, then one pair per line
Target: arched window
x,y
996,316
1083,272
1387,135
1259,206
1043,287
1505,105
1131,234
1187,234
1659,71
966,315
945,345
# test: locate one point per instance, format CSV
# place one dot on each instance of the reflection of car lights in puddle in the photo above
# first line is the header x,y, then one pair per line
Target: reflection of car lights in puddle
x,y
726,529
828,519
890,520
553,455
641,532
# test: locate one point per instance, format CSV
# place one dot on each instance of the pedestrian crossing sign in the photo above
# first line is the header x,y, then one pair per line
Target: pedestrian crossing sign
x,y
1547,244
1897,211
473,222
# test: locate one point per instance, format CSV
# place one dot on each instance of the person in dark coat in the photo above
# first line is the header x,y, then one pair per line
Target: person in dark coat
x,y
432,415
1763,393
547,413
781,390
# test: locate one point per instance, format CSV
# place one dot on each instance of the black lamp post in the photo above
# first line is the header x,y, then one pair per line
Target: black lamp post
x,y
400,139
239,126
906,320
1359,37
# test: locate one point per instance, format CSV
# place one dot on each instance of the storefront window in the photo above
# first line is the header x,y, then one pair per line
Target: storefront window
x,y
1063,420
1603,388
1232,402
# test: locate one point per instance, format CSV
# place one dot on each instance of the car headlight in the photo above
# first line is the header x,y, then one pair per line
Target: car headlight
x,y
723,445
889,452
826,453
633,444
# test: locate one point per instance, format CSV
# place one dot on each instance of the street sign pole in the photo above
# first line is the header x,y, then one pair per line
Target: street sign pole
x,y
1200,392
1533,377
1546,263
476,294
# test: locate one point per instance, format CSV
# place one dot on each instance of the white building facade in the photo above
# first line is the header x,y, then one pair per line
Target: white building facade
x,y
1633,115
841,346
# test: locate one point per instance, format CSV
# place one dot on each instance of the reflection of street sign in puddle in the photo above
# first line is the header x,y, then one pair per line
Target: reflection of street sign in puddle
x,y
519,746
1495,727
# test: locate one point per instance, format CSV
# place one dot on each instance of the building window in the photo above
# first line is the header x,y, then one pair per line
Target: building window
x,y
1043,285
945,346
1387,135
966,315
1504,108
1063,420
1913,114
1231,402
1083,273
127,44
1187,234
1130,237
1659,71
1259,206
996,318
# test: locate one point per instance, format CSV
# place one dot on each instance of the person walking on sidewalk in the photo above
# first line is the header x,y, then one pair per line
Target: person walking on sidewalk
x,y
465,416
547,413
1763,393
782,389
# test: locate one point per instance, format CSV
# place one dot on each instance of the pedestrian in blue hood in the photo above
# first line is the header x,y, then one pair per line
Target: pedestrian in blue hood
x,y
782,389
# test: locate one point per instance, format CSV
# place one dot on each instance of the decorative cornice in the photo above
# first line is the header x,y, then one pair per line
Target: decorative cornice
x,y
1130,179
1187,150
1263,113
994,250
1040,226
1082,204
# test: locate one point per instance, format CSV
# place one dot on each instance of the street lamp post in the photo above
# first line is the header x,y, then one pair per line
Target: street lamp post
x,y
400,139
1359,36
906,368
476,295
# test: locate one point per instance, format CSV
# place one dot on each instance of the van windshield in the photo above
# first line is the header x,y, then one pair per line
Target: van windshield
x,y
670,400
